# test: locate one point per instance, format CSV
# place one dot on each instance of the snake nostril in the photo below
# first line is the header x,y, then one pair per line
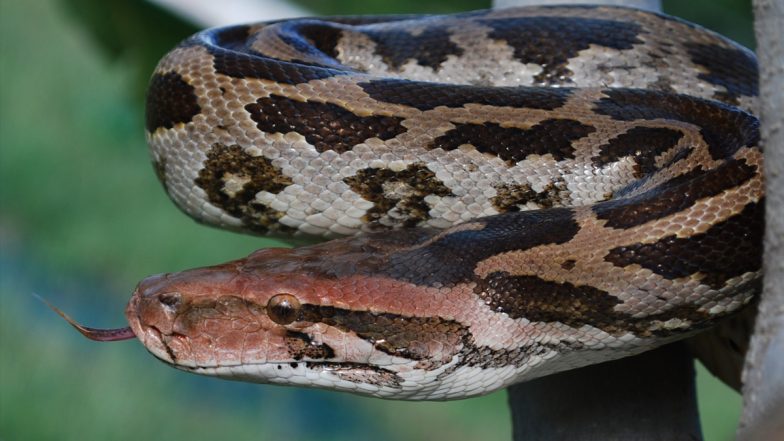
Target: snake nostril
x,y
170,299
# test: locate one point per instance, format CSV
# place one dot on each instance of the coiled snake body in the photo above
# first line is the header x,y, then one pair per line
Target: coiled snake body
x,y
577,184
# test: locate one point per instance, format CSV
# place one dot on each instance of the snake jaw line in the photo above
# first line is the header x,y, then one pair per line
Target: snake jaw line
x,y
95,334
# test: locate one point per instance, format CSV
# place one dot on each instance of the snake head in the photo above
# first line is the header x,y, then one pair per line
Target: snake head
x,y
279,316
207,318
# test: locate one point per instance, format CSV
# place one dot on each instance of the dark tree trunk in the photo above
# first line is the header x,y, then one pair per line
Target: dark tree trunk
x,y
763,392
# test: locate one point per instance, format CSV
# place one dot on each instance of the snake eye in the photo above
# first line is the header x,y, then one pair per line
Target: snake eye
x,y
283,308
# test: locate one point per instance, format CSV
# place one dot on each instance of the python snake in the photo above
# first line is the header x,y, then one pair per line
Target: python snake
x,y
537,189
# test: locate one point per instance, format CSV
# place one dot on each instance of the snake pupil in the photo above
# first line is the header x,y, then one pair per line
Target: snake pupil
x,y
283,308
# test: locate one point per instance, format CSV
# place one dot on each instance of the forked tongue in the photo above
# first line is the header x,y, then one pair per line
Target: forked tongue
x,y
93,333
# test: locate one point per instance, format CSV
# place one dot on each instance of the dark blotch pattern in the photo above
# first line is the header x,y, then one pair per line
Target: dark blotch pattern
x,y
674,195
542,301
728,249
231,37
317,40
511,197
681,154
551,41
250,65
643,144
428,96
551,136
410,337
324,36
451,258
360,373
428,48
326,126
568,264
301,346
170,101
404,191
733,68
415,338
486,357
224,162
724,128
539,300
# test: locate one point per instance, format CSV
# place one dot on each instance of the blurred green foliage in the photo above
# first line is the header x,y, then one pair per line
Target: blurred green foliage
x,y
82,218
134,33
731,18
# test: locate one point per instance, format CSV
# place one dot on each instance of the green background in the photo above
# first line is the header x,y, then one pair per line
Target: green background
x,y
82,219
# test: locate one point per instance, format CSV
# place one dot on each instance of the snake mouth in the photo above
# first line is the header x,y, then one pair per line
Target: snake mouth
x,y
151,337
326,366
357,375
338,366
349,376
155,342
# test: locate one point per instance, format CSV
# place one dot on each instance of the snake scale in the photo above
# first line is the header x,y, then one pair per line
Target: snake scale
x,y
537,189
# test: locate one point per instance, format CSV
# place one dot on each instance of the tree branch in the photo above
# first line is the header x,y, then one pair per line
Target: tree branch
x,y
763,393
648,397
